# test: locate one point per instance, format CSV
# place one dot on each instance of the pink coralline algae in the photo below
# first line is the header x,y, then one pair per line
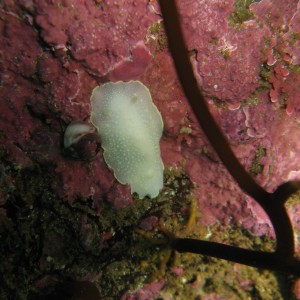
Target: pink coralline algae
x,y
227,60
53,54
228,63
47,76
90,34
282,51
149,291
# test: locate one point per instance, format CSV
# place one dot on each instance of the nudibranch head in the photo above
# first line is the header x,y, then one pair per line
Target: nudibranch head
x,y
81,141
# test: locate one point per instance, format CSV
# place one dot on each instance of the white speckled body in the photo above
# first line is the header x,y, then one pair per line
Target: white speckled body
x,y
130,127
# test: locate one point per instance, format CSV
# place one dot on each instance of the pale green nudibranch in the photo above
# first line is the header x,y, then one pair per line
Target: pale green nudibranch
x,y
130,127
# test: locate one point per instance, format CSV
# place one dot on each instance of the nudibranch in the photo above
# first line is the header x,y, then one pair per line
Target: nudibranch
x,y
130,127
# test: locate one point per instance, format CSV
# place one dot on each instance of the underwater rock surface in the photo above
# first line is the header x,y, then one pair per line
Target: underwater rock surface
x,y
54,53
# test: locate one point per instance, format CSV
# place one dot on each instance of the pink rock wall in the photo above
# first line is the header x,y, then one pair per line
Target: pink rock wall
x,y
54,53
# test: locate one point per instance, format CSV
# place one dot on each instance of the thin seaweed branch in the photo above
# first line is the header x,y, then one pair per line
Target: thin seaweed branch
x,y
273,203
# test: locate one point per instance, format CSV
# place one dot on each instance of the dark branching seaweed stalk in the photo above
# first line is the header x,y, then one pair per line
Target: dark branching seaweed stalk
x,y
283,259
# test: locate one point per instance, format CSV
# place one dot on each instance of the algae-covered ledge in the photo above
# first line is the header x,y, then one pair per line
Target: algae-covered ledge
x,y
123,250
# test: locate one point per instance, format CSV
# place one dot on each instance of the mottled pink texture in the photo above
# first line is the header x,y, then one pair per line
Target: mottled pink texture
x,y
148,223
228,58
54,56
119,196
19,52
233,80
178,271
275,12
47,76
149,291
293,48
133,67
284,27
92,179
98,36
218,195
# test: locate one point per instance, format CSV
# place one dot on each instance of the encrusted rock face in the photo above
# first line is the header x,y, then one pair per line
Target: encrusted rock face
x,y
53,55
246,59
227,60
97,35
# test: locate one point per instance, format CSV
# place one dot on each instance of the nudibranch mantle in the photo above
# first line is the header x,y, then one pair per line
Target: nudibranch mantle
x,y
130,127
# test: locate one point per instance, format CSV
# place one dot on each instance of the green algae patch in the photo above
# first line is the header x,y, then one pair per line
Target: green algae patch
x,y
241,12
252,99
265,73
294,38
294,69
293,206
256,166
156,34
